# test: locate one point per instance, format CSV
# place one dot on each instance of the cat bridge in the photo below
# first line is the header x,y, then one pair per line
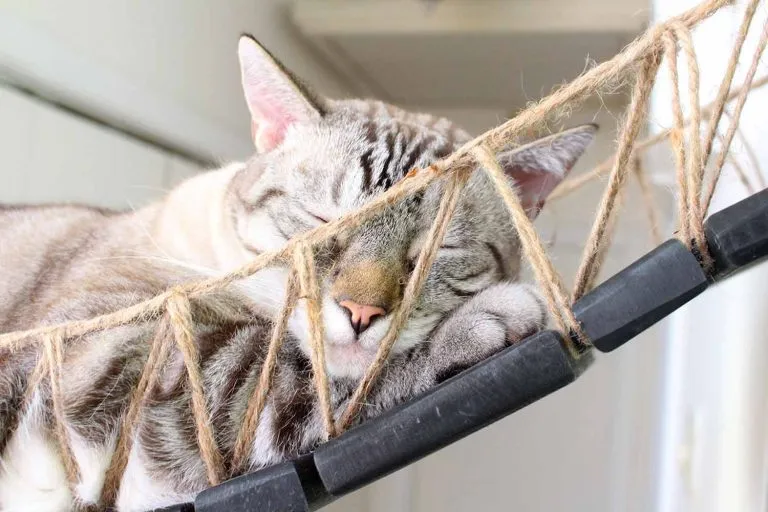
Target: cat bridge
x,y
590,318
610,315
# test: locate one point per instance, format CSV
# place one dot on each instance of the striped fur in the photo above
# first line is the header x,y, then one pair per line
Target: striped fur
x,y
319,159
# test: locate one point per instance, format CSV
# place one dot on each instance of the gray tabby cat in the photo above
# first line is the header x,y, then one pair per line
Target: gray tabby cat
x,y
316,160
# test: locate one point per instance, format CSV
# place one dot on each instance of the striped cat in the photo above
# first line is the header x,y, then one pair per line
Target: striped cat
x,y
316,160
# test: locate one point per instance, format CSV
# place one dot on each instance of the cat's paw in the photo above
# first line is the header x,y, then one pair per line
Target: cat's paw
x,y
498,316
518,308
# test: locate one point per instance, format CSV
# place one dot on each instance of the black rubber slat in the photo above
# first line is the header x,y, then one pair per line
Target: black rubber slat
x,y
181,507
274,489
640,295
738,235
485,393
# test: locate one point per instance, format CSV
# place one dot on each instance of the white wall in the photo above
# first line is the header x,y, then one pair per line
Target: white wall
x,y
159,66
53,156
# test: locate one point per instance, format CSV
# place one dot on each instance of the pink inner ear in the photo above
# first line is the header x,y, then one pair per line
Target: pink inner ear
x,y
533,188
268,135
270,118
274,100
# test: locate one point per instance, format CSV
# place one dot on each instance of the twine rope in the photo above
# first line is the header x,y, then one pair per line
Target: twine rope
x,y
757,171
740,101
676,136
174,309
532,246
150,374
54,353
725,86
180,315
599,237
647,194
258,399
424,262
304,263
572,184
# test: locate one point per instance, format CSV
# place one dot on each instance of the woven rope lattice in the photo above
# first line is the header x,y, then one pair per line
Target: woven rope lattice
x,y
639,62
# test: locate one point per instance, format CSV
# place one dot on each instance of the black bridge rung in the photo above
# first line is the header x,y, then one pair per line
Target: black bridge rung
x,y
181,507
485,393
738,235
277,488
640,295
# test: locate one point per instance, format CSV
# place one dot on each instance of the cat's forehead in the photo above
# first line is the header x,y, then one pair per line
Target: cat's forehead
x,y
372,119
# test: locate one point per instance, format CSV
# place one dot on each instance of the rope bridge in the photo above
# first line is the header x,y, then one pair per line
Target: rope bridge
x,y
639,62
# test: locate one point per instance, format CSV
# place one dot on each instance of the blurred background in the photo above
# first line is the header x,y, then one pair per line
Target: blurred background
x,y
113,103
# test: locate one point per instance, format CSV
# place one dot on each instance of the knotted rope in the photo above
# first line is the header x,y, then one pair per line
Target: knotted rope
x,y
641,60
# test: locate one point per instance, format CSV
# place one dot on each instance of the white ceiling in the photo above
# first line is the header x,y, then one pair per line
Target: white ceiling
x,y
460,53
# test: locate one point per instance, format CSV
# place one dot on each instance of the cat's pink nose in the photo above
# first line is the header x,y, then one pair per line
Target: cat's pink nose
x,y
361,316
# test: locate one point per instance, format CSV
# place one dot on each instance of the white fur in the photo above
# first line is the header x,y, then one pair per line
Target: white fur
x,y
263,443
32,477
140,492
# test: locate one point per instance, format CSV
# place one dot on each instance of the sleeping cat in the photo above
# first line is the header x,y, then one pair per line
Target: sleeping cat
x,y
316,160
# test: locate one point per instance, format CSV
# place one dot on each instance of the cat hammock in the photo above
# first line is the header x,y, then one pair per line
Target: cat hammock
x,y
603,317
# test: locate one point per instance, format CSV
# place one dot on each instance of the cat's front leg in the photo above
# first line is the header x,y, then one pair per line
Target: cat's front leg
x,y
497,317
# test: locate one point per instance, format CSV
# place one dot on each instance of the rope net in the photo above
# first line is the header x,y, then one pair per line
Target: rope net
x,y
638,63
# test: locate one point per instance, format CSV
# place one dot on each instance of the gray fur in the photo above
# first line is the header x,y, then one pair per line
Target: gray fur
x,y
62,263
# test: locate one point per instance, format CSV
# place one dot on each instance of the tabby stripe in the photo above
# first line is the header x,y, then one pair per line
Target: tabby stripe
x,y
416,152
497,257
266,196
383,173
366,165
277,225
371,134
476,274
458,291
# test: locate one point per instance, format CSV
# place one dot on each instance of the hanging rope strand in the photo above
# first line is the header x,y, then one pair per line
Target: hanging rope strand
x,y
157,357
742,99
424,262
692,224
600,235
725,85
304,263
533,249
258,400
676,136
647,194
55,355
571,185
756,168
180,313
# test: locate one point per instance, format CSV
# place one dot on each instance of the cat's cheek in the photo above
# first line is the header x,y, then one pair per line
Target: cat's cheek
x,y
260,233
336,327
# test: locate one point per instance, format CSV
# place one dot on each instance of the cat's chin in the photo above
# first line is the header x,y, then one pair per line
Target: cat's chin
x,y
348,360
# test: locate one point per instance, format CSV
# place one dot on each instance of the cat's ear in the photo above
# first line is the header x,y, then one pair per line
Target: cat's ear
x,y
275,98
538,167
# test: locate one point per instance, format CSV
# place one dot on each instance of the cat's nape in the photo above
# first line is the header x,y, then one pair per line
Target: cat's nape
x,y
317,159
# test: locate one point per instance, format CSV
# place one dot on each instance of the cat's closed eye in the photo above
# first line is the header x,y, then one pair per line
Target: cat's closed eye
x,y
319,218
